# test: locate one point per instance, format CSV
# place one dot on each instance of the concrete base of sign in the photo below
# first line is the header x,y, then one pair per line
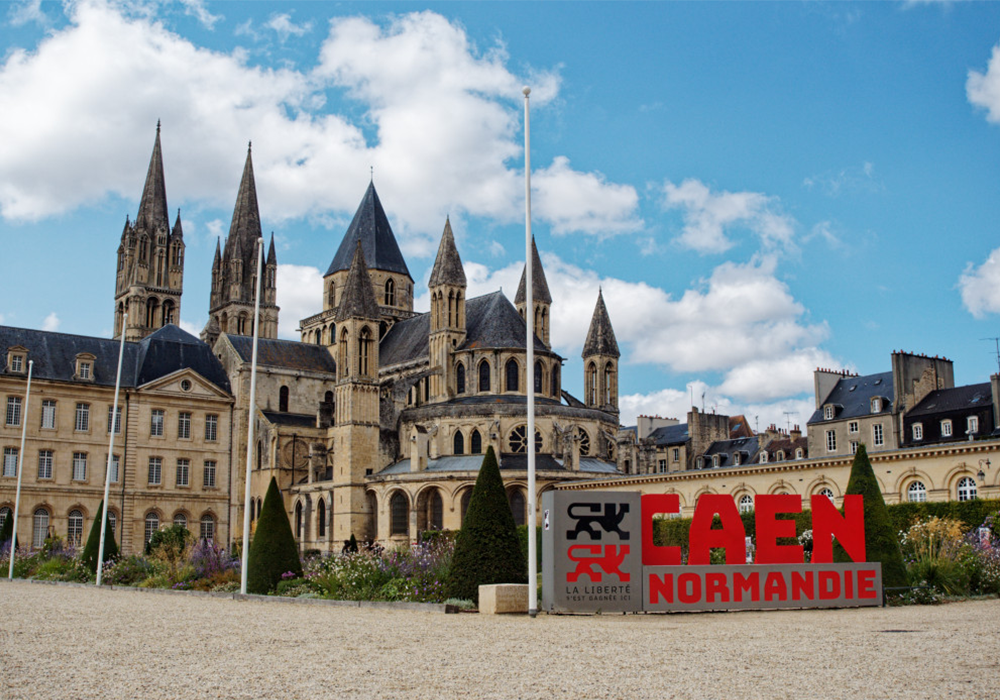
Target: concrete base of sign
x,y
502,598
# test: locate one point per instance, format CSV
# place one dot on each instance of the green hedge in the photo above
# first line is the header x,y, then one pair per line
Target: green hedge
x,y
522,538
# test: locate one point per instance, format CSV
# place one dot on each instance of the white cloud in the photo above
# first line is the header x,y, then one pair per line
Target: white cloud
x,y
300,295
51,322
285,27
583,202
983,89
496,249
194,328
710,217
197,9
980,286
27,11
860,178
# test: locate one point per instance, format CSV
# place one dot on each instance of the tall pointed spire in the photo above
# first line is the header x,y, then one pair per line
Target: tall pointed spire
x,y
246,216
272,257
153,214
218,254
448,265
370,227
358,300
539,287
178,232
601,336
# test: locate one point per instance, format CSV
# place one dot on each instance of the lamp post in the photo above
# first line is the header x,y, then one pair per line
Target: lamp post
x,y
983,465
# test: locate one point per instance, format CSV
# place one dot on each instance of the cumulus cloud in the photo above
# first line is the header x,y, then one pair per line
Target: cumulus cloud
x,y
980,286
710,217
983,89
27,11
197,9
583,202
192,327
300,295
284,26
51,322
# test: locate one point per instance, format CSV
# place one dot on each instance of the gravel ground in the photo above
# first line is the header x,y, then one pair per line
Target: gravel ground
x,y
80,642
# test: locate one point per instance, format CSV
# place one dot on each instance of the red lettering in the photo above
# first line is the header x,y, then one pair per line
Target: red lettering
x,y
661,587
848,584
652,504
732,536
803,584
749,583
769,529
849,529
715,587
866,584
829,585
685,595
775,587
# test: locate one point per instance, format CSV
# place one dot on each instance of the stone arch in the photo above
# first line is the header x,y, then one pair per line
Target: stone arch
x,y
821,482
399,513
371,502
430,509
484,372
512,375
913,473
781,486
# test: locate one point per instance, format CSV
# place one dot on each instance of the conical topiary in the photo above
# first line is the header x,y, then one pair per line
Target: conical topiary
x,y
7,531
486,550
273,550
881,541
91,549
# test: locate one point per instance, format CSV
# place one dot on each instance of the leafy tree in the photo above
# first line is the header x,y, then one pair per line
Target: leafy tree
x,y
92,549
487,550
881,542
273,550
7,531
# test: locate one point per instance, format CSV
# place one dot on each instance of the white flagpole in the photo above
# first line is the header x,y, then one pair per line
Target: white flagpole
x,y
20,470
529,314
111,449
252,410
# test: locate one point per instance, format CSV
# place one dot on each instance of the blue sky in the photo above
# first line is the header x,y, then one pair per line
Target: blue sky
x,y
759,188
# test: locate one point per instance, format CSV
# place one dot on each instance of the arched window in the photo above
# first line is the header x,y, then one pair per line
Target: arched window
x,y
206,528
609,382
283,399
584,442
181,519
916,492
399,511
459,443
168,312
516,500
5,513
746,504
342,363
484,376
152,524
259,450
464,504
966,489
321,518
512,371
475,443
538,377
826,492
298,520
41,528
372,502
74,532
451,309
518,442
328,397
364,351
555,382
591,385
151,306
460,378
390,292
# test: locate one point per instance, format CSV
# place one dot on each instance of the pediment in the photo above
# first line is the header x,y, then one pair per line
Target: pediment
x,y
185,383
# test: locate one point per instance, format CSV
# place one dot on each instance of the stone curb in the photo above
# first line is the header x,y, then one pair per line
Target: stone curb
x,y
254,598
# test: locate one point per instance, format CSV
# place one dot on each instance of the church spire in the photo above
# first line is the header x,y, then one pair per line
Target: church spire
x,y
153,214
272,257
601,336
539,287
448,265
245,226
358,300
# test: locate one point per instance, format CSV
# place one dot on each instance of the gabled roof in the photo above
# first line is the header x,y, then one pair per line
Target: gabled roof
x,y
447,265
601,336
539,286
788,445
670,435
726,449
959,398
371,227
170,349
286,354
358,299
853,396
153,214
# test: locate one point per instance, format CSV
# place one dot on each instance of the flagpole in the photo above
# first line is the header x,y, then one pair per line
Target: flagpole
x,y
251,411
20,470
529,314
111,449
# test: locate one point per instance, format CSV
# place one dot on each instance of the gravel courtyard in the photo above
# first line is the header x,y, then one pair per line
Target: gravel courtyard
x,y
69,642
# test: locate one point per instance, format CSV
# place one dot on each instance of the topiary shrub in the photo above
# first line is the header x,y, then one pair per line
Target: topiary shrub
x,y
273,550
7,531
487,550
881,539
92,549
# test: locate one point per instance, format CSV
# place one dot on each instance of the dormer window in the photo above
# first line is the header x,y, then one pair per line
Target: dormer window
x,y
798,453
715,460
16,360
763,456
701,462
85,367
918,431
972,425
828,412
780,456
876,405
736,459
946,428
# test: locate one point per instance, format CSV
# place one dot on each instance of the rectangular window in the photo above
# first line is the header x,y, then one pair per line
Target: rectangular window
x,y
184,426
155,466
82,422
946,428
677,454
877,438
79,466
207,529
663,466
17,363
84,370
828,412
831,441
115,463
211,428
973,424
118,420
13,410
156,423
852,427
854,446
45,464
209,481
10,461
183,472
918,431
48,414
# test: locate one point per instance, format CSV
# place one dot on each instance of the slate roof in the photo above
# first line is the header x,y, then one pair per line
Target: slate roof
x,y
958,398
726,449
296,420
358,300
288,354
153,215
788,445
670,434
539,286
170,349
504,399
370,226
601,336
448,264
508,462
853,396
406,341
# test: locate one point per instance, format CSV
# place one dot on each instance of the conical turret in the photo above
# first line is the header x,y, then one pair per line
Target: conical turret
x,y
448,265
600,361
358,299
540,297
601,336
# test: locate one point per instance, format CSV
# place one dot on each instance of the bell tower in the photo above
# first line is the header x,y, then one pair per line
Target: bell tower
x,y
541,299
600,361
447,287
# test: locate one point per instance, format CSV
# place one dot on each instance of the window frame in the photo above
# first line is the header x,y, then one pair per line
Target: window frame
x,y
917,431
972,425
878,435
211,427
10,461
46,458
182,473
209,473
831,440
13,418
154,467
79,466
966,489
916,495
947,428
157,421
48,411
184,425
853,427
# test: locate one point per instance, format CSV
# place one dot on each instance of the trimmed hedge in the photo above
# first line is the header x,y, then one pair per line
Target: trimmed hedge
x,y
7,531
522,538
92,549
273,550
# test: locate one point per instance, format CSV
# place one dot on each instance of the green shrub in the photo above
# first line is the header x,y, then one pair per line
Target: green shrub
x,y
522,539
92,549
7,531
129,571
273,550
970,513
487,550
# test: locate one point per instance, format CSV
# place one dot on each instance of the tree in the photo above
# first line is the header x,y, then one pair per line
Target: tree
x,y
91,549
487,550
881,541
273,550
7,531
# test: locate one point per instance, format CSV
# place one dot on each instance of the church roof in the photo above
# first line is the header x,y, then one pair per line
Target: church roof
x,y
153,214
358,300
406,341
448,265
288,354
601,336
371,227
539,287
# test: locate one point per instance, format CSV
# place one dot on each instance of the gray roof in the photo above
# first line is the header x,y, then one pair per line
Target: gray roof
x,y
670,435
727,448
852,396
287,354
358,300
295,420
406,341
371,227
508,462
164,352
447,265
959,398
539,286
153,214
600,336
